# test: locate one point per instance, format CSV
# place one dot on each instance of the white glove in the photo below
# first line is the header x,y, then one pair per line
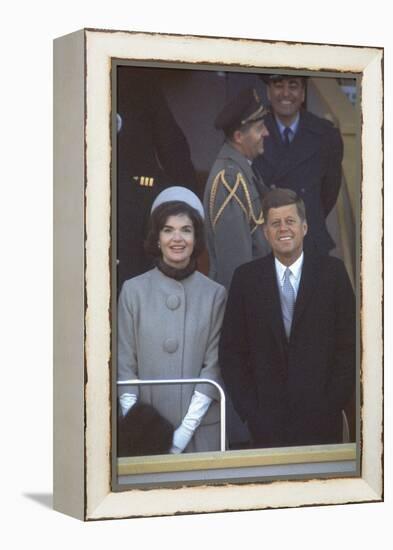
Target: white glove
x,y
196,411
127,400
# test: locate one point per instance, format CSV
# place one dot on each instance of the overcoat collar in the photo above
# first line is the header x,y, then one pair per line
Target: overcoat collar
x,y
304,145
307,287
267,283
168,284
229,153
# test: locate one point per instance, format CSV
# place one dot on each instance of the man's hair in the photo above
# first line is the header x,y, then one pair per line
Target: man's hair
x,y
158,219
282,197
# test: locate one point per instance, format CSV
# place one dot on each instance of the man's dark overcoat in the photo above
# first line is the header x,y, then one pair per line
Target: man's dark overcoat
x,y
310,166
290,393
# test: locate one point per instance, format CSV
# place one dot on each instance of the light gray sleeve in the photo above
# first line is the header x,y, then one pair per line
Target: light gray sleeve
x,y
196,411
210,368
127,365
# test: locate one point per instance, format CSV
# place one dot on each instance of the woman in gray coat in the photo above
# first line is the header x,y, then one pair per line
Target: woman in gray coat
x,y
169,321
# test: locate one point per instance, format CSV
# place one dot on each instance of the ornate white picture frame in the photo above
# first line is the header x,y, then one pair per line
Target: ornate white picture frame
x,y
84,301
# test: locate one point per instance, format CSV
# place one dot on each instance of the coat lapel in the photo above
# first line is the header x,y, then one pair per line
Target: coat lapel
x,y
271,298
307,287
273,148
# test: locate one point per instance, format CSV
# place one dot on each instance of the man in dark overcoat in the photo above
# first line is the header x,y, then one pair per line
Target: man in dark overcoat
x,y
303,153
152,154
289,369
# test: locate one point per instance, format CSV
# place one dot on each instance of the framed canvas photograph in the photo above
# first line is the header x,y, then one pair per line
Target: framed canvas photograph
x,y
169,395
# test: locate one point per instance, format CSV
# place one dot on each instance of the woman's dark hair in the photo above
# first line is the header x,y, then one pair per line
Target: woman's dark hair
x,y
158,219
282,197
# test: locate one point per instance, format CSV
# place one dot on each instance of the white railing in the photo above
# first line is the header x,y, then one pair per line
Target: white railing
x,y
137,382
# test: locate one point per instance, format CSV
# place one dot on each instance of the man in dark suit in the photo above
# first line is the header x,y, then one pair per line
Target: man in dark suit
x,y
287,353
303,153
152,154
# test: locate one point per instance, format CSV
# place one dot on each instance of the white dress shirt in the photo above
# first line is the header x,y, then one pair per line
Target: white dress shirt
x,y
293,127
295,272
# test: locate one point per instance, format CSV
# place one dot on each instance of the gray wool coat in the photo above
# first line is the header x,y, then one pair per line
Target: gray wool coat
x,y
170,329
232,202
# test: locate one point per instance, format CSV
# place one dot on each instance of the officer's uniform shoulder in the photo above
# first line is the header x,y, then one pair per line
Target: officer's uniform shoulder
x,y
226,160
223,166
223,176
231,169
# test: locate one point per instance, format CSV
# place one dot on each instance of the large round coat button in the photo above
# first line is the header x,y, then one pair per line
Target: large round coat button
x,y
171,345
173,301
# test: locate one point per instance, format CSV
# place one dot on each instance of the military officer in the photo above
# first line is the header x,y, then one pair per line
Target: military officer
x,y
232,203
233,192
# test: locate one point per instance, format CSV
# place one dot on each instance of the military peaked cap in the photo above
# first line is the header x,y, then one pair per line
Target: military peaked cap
x,y
245,107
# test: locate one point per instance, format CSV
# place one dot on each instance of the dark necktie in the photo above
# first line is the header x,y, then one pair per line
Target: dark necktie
x,y
287,135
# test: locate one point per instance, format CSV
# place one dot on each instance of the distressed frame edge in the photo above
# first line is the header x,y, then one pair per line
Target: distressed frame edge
x,y
372,485
69,264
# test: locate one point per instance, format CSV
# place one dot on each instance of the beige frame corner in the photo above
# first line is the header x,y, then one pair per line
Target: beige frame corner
x,y
100,48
